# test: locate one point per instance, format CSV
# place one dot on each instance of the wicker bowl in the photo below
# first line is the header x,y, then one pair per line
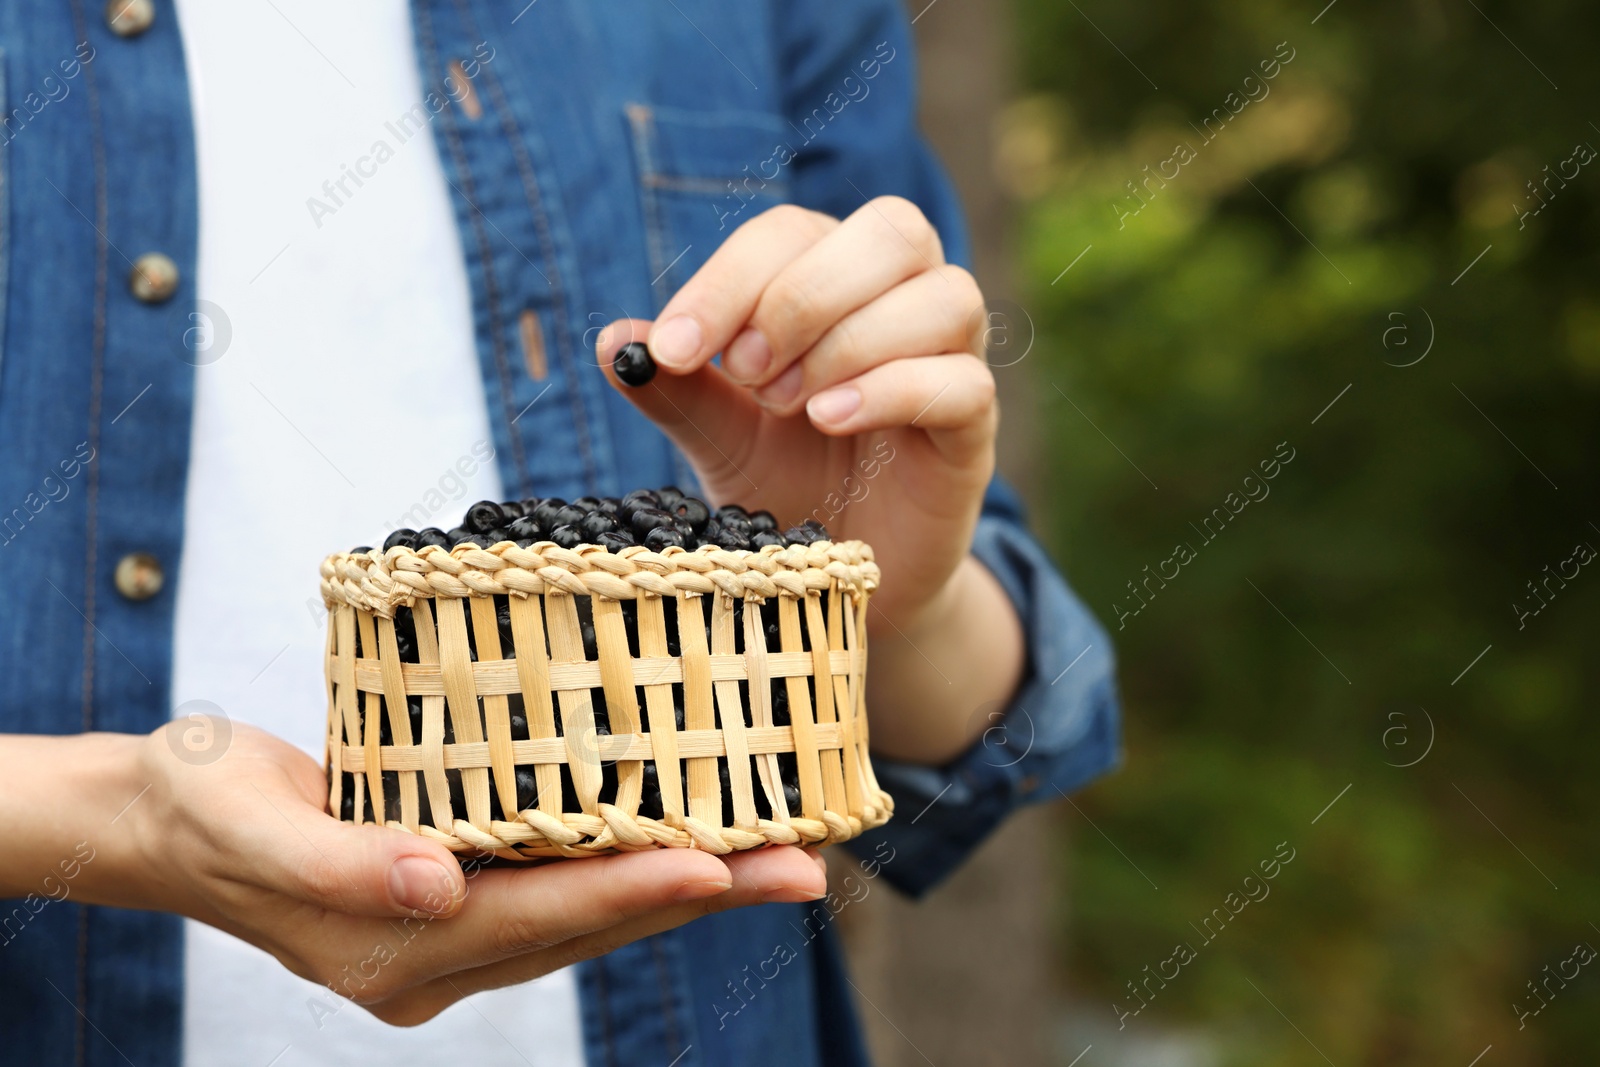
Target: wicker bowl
x,y
546,635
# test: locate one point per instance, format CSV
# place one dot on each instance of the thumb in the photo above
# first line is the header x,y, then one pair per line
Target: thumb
x,y
709,418
308,855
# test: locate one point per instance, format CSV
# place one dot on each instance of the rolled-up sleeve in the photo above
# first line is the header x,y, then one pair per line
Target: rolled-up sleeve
x,y
1060,731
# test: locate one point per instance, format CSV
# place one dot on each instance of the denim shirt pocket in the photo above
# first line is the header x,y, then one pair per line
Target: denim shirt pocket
x,y
701,175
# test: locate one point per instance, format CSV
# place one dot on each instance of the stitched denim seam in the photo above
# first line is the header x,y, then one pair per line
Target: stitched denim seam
x,y
81,1036
491,287
642,123
667,1002
688,183
92,489
603,1009
530,192
97,370
5,214
683,183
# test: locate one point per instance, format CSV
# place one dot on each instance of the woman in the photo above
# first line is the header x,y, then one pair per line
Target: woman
x,y
299,275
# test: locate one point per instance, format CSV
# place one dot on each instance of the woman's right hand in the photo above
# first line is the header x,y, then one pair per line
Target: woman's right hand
x,y
243,844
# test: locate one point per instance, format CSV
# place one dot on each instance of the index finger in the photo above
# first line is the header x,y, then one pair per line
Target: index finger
x,y
706,314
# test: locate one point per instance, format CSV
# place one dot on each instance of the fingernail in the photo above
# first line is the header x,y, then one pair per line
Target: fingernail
x,y
748,357
700,890
782,389
789,895
420,884
676,341
835,405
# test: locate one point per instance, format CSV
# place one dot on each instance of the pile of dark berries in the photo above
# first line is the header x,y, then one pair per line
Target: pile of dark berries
x,y
656,519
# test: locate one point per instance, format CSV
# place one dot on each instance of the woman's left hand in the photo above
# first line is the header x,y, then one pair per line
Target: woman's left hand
x,y
852,387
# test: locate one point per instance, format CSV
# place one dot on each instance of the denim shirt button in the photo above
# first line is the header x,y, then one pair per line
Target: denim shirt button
x,y
139,576
130,18
154,278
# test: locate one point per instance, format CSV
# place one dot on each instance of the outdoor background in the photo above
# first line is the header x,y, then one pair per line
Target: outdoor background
x,y
1356,667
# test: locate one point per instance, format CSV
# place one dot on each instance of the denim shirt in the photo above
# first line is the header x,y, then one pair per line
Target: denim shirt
x,y
597,155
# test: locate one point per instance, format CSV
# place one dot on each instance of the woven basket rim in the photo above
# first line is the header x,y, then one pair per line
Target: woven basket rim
x,y
382,581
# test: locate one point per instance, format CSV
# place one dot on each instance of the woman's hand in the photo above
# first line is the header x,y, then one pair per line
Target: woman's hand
x,y
382,916
853,389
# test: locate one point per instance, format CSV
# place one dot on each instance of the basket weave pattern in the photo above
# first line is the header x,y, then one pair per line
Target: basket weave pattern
x,y
821,592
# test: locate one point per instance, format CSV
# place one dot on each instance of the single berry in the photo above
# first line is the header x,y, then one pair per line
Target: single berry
x,y
360,550
458,796
545,512
648,496
615,541
513,509
527,788
733,541
647,519
762,538
671,496
633,365
484,516
695,511
763,520
525,528
596,523
587,503
570,515
662,537
566,536
433,536
650,801
404,538
638,500
727,792
457,536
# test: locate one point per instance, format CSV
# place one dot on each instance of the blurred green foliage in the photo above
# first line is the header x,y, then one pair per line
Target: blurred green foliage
x,y
1296,653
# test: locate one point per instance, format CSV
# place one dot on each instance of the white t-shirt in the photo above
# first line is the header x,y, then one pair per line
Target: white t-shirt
x,y
329,328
